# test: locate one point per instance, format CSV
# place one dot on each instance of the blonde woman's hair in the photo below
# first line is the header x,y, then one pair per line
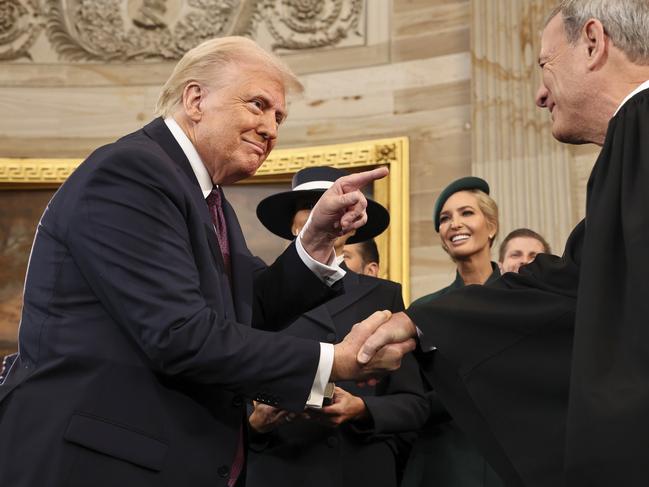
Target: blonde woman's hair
x,y
490,210
206,62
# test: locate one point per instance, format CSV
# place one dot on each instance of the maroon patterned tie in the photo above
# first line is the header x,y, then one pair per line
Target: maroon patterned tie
x,y
215,205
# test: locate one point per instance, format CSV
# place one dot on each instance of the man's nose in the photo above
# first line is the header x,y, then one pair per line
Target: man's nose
x,y
268,126
541,97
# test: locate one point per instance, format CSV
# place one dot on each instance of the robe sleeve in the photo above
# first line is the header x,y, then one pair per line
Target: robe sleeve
x,y
502,363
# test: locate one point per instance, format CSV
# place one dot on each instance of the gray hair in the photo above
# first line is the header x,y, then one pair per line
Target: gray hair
x,y
205,62
625,21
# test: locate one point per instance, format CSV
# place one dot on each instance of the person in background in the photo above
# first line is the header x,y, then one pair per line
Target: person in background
x,y
519,248
364,436
362,257
466,218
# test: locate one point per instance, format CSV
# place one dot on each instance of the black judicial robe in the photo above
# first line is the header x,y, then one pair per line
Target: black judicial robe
x,y
548,371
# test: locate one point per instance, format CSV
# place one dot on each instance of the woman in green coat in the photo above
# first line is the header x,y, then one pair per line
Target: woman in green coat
x,y
466,218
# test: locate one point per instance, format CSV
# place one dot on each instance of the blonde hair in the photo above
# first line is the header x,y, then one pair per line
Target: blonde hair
x,y
490,210
206,62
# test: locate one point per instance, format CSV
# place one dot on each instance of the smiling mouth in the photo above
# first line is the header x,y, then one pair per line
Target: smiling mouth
x,y
259,148
462,237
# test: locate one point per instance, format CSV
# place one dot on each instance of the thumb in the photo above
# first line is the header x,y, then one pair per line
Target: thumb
x,y
369,325
372,345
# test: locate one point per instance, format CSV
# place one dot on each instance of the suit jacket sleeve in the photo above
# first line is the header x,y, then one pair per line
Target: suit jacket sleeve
x,y
290,282
127,225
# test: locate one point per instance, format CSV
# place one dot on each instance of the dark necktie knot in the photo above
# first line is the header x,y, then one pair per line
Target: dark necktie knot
x,y
214,198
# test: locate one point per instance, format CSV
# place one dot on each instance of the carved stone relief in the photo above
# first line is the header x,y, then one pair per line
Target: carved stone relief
x,y
158,30
303,24
20,25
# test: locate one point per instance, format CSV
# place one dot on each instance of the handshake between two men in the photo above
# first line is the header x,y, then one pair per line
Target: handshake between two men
x,y
374,347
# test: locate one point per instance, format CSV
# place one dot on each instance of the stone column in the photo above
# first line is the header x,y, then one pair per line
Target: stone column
x,y
512,145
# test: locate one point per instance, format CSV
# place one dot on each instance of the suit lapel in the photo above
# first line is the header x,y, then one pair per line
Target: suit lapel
x,y
161,134
158,131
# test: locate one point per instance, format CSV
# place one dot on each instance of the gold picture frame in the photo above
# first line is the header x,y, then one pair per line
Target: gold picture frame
x,y
392,191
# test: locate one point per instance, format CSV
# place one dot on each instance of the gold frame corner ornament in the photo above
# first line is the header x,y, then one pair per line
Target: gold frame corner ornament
x,y
392,192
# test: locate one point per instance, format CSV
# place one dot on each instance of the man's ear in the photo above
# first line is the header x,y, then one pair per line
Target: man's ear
x,y
500,267
597,43
193,95
371,269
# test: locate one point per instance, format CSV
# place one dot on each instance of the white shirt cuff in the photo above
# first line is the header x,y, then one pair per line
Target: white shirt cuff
x,y
322,376
329,274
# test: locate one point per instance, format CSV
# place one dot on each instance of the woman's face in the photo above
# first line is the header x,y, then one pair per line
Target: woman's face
x,y
463,228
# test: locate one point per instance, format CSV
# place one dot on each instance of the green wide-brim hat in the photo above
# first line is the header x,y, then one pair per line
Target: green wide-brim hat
x,y
462,184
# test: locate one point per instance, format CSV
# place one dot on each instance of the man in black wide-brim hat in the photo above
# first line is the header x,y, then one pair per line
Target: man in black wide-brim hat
x,y
360,439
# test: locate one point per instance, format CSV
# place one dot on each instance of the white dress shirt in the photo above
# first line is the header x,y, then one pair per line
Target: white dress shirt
x,y
329,274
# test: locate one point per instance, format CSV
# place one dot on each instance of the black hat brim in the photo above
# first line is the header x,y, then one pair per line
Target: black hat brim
x,y
276,213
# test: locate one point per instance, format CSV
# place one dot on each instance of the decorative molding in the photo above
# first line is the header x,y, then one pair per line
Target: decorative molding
x,y
100,31
307,24
162,30
20,26
17,173
513,148
392,192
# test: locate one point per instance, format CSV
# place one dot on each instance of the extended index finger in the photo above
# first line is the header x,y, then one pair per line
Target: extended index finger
x,y
357,180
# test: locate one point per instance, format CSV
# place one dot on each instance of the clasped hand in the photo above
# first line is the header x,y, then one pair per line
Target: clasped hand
x,y
373,347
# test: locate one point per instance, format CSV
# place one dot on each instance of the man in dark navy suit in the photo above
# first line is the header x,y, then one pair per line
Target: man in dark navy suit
x,y
135,350
362,437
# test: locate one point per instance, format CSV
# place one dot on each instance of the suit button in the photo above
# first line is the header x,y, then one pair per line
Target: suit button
x,y
332,442
331,337
237,401
223,471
